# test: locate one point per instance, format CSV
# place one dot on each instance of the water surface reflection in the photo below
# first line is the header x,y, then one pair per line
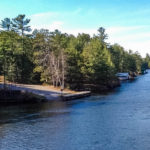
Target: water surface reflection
x,y
118,120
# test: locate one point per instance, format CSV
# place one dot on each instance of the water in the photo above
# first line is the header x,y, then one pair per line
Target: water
x,y
117,121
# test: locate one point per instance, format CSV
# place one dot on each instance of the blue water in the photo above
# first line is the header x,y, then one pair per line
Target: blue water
x,y
119,120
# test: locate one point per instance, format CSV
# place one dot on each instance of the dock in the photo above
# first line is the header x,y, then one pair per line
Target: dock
x,y
69,97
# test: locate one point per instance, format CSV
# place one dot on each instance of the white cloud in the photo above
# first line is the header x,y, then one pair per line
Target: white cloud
x,y
80,30
136,38
121,29
52,20
45,15
56,25
130,37
51,15
141,47
52,26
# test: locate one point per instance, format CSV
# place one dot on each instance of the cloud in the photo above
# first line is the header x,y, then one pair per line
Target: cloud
x,y
130,37
43,19
136,38
52,15
45,14
53,20
46,20
56,25
120,29
79,30
51,26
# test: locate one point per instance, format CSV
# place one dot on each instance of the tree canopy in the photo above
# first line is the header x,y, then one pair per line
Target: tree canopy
x,y
61,59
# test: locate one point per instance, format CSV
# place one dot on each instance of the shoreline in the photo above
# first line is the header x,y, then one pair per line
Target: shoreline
x,y
38,93
46,93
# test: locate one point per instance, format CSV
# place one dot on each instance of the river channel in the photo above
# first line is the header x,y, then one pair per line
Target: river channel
x,y
119,120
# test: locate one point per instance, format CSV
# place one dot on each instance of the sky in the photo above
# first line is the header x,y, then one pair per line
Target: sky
x,y
127,22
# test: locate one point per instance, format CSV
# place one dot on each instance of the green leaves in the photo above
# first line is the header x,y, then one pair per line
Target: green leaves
x,y
6,24
97,62
58,58
20,24
125,61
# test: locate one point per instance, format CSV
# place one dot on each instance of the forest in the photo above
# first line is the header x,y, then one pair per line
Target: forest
x,y
61,59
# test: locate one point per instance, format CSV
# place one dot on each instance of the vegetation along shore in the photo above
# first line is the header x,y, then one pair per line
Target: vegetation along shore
x,y
79,63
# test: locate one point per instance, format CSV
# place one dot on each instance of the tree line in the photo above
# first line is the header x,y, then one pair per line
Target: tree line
x,y
60,59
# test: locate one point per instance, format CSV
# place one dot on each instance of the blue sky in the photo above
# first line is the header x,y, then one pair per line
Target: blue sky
x,y
127,22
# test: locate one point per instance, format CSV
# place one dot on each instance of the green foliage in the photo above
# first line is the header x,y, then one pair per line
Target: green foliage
x,y
16,49
74,76
147,61
125,61
61,59
6,24
102,35
20,24
97,66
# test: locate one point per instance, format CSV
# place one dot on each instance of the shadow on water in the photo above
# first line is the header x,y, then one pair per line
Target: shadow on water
x,y
117,120
24,112
18,113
